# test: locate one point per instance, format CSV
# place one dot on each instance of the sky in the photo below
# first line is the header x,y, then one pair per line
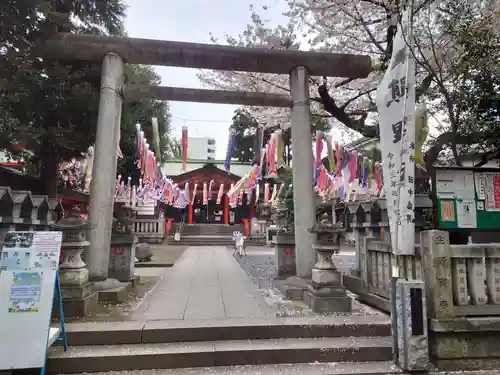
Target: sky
x,y
193,21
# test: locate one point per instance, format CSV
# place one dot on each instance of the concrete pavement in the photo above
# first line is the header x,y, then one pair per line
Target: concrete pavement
x,y
205,283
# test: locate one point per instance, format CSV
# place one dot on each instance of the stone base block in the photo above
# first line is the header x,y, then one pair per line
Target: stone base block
x,y
472,346
76,292
74,276
355,272
326,277
115,295
77,307
327,305
326,290
292,288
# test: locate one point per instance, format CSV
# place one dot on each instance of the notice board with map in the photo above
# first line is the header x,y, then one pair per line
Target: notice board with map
x,y
467,198
29,262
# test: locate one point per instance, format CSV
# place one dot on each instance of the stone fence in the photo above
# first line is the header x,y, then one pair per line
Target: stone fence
x,y
149,222
22,211
462,291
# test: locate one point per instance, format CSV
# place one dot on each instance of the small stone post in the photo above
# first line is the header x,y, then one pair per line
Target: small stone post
x,y
123,243
76,290
326,292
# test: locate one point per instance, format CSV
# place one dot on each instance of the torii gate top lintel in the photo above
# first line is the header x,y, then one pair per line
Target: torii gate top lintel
x,y
86,47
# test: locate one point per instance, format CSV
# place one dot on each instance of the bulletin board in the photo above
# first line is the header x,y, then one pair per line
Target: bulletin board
x,y
29,262
467,198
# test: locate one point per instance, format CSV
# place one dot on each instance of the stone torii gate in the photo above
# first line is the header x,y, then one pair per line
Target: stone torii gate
x,y
113,52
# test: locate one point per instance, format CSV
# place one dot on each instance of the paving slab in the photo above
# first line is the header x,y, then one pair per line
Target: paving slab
x,y
206,282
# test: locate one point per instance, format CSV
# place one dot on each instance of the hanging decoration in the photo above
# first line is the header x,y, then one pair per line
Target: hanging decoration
x,y
220,193
156,138
205,194
263,154
194,194
212,182
258,143
396,106
421,132
184,143
231,148
266,192
331,157
280,149
271,156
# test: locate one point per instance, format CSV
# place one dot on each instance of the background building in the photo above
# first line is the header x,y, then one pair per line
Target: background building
x,y
201,148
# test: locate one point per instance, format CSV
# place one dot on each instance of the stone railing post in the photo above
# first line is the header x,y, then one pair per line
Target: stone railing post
x,y
437,268
76,290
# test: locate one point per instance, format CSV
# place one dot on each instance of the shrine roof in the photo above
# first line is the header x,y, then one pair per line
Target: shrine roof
x,y
173,168
207,172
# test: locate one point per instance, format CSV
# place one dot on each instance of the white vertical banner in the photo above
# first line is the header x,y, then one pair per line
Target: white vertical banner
x,y
396,107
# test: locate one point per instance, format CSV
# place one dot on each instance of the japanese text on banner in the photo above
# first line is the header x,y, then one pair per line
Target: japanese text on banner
x,y
396,105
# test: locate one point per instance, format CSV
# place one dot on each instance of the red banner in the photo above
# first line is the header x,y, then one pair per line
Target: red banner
x,y
184,146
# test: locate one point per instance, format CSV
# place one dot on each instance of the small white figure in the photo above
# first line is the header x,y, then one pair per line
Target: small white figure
x,y
239,246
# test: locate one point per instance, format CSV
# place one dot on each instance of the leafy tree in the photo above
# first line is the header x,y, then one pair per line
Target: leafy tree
x,y
174,149
51,107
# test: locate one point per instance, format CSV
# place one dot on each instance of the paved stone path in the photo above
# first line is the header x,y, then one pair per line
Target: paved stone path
x,y
205,283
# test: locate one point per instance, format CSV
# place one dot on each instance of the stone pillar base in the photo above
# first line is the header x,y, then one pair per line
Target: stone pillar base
x,y
326,294
356,272
326,305
78,300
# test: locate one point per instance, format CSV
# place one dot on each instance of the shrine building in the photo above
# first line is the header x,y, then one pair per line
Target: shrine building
x,y
198,172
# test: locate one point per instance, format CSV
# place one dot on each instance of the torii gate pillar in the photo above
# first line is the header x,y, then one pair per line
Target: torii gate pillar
x,y
303,172
105,160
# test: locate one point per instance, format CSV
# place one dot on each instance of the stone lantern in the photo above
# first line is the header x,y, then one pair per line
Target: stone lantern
x,y
78,297
326,292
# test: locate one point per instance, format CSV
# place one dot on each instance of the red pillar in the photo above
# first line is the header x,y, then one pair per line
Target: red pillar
x,y
190,213
226,210
168,225
251,206
251,211
246,227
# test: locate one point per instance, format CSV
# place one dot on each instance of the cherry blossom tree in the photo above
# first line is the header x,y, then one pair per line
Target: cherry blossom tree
x,y
444,43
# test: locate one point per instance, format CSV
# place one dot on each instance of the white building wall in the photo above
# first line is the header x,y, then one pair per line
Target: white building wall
x,y
201,148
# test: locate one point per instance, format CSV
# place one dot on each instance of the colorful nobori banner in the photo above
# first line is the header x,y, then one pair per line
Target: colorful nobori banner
x,y
396,106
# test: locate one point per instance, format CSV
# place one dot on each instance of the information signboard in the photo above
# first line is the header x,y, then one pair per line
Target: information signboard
x,y
28,267
467,198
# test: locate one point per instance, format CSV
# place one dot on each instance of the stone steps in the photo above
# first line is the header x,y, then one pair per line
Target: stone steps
x,y
210,229
327,368
218,353
211,240
160,331
173,344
